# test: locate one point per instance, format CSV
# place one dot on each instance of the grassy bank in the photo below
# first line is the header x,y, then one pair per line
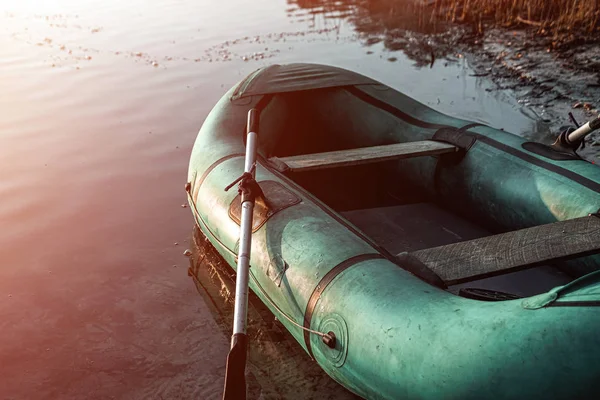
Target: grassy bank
x,y
562,18
558,17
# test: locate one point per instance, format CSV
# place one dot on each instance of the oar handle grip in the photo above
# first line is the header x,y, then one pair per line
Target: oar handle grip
x,y
252,125
584,130
251,140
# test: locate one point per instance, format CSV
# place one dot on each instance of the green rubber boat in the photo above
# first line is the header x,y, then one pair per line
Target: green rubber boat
x,y
410,253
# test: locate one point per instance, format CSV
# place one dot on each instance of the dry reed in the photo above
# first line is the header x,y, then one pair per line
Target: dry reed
x,y
549,16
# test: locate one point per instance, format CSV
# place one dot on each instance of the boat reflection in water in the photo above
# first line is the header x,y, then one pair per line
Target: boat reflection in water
x,y
277,366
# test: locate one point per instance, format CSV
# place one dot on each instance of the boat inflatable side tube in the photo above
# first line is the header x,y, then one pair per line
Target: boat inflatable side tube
x,y
320,288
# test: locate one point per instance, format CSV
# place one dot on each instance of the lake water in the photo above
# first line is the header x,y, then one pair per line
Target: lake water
x,y
100,104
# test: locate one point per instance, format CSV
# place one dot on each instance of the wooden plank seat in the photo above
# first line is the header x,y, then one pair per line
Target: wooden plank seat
x,y
363,155
493,255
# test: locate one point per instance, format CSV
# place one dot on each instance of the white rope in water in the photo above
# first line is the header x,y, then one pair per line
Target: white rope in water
x,y
321,334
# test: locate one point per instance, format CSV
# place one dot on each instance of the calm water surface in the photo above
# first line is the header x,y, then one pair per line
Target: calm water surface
x,y
100,103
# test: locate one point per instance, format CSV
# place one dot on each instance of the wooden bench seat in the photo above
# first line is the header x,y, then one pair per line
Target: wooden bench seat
x,y
493,255
363,155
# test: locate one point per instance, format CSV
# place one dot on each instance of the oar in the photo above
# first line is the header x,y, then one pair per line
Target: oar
x,y
235,378
584,130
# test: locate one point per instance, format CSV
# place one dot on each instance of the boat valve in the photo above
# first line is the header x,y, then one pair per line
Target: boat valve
x,y
329,339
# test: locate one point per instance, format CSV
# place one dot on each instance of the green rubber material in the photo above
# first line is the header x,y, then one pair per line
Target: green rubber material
x,y
397,336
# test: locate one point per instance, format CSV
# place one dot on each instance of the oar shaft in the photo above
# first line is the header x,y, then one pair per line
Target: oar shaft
x,y
251,140
243,267
243,263
235,380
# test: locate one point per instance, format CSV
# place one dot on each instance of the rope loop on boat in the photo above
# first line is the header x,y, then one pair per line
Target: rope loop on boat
x,y
327,337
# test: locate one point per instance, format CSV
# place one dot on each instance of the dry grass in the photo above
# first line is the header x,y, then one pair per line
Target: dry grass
x,y
563,21
550,16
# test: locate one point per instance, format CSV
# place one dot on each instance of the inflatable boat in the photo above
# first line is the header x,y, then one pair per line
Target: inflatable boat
x,y
411,254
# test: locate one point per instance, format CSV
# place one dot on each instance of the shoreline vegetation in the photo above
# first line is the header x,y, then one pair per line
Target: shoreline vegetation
x,y
560,19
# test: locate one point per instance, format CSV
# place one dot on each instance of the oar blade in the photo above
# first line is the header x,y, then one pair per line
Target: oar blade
x,y
235,374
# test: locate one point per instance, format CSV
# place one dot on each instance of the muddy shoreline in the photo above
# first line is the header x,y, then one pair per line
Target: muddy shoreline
x,y
551,80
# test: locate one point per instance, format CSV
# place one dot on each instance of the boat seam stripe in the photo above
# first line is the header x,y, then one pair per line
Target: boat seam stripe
x,y
469,126
584,303
367,98
198,218
582,180
590,184
208,170
322,285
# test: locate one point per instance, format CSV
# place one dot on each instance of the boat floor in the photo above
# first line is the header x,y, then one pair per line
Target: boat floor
x,y
417,226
